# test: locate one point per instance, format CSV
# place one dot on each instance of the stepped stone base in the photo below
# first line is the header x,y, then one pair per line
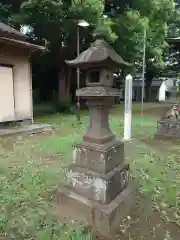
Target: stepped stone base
x,y
104,219
98,187
168,129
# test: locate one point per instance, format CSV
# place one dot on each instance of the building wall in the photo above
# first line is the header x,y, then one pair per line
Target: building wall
x,y
19,58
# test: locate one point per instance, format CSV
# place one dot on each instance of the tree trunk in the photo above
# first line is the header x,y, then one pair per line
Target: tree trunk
x,y
148,92
64,85
68,85
148,80
61,85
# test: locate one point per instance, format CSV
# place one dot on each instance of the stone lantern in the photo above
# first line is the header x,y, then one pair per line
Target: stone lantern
x,y
169,124
98,184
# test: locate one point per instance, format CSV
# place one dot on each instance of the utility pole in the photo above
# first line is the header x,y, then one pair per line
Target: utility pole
x,y
143,76
84,24
78,81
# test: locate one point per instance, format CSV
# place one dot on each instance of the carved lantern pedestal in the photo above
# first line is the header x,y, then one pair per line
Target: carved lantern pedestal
x,y
169,125
98,183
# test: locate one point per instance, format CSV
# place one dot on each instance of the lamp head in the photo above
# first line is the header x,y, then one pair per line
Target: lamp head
x,y
83,23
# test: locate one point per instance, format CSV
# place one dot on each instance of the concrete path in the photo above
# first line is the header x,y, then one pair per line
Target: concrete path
x,y
25,130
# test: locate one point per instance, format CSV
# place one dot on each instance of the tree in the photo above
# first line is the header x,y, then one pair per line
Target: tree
x,y
174,24
131,18
4,12
54,23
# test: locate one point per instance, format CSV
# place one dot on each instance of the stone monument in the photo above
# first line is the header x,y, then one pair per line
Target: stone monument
x,y
169,124
98,183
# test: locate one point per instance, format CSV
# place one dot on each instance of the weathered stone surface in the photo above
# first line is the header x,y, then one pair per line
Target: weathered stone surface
x,y
102,188
98,91
169,125
98,183
99,78
104,219
99,131
97,157
169,128
99,54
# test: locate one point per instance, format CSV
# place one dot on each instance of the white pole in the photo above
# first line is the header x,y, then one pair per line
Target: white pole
x,y
128,108
78,80
143,77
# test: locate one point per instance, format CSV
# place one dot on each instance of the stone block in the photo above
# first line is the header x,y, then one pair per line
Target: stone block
x,y
99,158
168,128
102,188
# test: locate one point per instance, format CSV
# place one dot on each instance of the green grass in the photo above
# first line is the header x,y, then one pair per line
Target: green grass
x,y
31,169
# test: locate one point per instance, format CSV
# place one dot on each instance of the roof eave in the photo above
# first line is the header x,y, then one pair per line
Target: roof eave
x,y
30,46
173,40
109,63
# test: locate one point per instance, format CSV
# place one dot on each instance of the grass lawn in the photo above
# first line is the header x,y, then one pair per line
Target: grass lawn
x,y
31,169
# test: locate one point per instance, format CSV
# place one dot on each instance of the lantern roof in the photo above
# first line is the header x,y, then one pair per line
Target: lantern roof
x,y
99,54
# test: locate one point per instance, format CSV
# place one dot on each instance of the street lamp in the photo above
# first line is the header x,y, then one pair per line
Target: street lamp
x,y
81,23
